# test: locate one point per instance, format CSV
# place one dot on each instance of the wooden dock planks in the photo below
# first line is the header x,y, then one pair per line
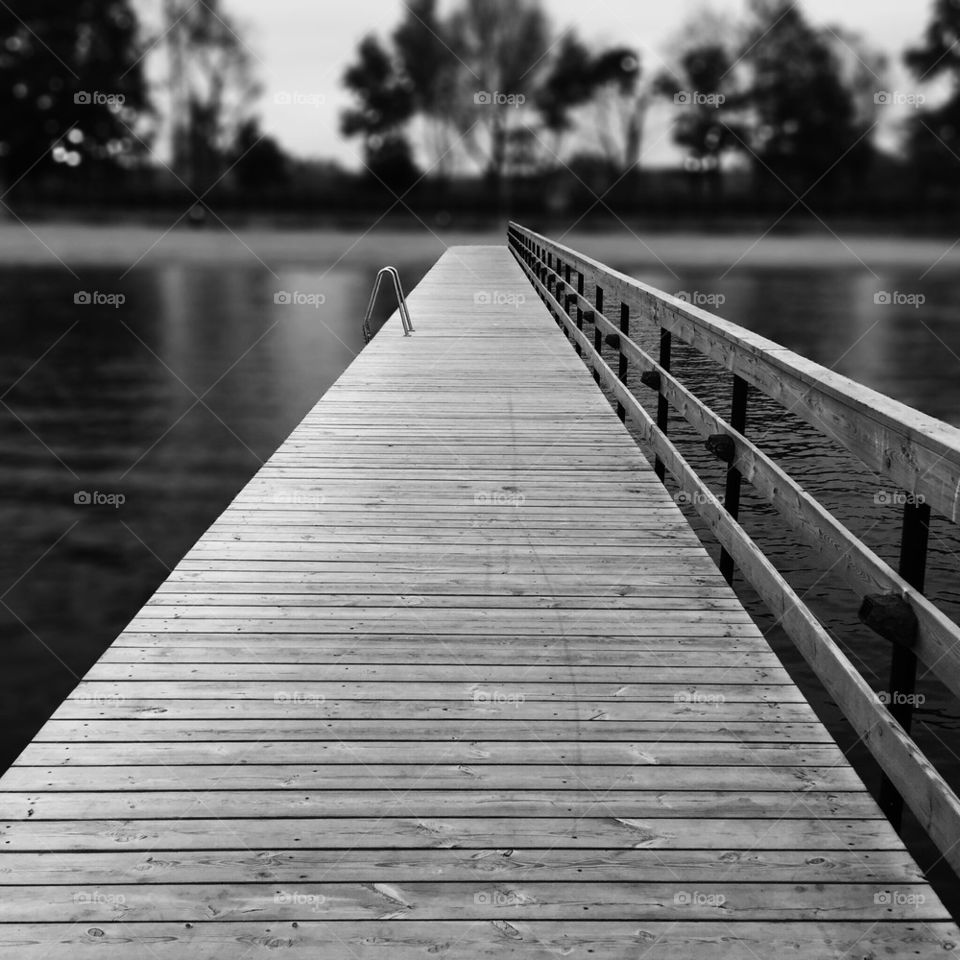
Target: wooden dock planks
x,y
451,677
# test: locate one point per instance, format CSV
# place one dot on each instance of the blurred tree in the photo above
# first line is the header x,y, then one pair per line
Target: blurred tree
x,y
256,160
601,95
488,82
709,122
390,161
568,84
804,118
213,88
619,105
428,63
933,140
385,104
72,89
502,46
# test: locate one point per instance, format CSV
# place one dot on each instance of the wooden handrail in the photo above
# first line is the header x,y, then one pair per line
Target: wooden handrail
x,y
931,799
916,452
938,638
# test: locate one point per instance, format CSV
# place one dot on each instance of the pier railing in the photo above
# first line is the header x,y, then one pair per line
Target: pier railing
x,y
595,306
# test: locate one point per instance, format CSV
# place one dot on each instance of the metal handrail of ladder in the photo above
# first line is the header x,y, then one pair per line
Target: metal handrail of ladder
x,y
401,302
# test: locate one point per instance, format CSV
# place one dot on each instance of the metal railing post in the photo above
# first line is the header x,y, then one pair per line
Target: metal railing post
x,y
731,497
914,540
580,287
663,408
597,333
623,364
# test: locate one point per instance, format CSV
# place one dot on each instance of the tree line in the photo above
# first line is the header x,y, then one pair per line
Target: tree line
x,y
494,85
78,107
489,93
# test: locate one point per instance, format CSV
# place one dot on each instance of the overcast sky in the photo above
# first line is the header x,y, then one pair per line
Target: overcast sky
x,y
303,46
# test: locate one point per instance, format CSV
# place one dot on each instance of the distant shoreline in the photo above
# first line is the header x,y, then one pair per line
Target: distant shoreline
x,y
79,245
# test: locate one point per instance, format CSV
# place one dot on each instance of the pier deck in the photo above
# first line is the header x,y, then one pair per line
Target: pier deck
x,y
451,677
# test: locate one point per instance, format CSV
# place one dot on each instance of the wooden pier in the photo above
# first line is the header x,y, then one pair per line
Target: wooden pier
x,y
453,677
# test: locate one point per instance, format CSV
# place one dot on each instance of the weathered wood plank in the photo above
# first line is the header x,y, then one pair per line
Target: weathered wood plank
x,y
181,800
428,731
449,900
487,940
533,751
493,865
736,836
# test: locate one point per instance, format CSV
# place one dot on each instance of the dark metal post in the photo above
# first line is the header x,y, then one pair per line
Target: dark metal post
x,y
731,498
663,408
579,309
903,663
623,364
597,334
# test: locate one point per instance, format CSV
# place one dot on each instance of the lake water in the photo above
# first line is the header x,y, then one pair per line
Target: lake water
x,y
173,400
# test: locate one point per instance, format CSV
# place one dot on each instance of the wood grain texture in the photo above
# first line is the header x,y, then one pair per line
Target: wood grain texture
x,y
452,676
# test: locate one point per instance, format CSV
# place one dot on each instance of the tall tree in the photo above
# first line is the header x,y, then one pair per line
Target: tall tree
x,y
619,105
804,114
934,135
601,95
503,46
384,105
72,87
709,123
427,62
257,161
567,85
212,87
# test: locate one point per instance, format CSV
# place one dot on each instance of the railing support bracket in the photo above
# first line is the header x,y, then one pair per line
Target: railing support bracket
x,y
890,616
722,446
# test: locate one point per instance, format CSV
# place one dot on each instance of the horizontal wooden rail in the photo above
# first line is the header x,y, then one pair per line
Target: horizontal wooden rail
x,y
918,453
927,794
938,638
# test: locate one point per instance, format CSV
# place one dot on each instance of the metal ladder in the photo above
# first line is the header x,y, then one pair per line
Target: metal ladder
x,y
401,303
